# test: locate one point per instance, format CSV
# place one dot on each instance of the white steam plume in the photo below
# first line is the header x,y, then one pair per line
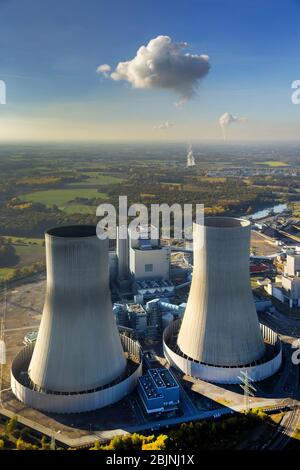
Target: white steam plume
x,y
226,119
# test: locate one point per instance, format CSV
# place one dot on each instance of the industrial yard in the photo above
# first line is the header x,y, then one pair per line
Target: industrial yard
x,y
198,398
150,232
150,285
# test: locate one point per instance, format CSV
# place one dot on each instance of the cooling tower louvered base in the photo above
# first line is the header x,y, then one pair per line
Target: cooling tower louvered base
x,y
75,402
268,365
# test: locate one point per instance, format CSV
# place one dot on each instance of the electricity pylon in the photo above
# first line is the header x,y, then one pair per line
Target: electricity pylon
x,y
248,388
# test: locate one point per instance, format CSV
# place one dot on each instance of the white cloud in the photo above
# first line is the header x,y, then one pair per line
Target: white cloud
x,y
165,125
162,64
226,119
104,69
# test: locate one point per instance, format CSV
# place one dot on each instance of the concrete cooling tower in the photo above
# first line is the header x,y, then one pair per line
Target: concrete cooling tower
x,y
220,333
78,362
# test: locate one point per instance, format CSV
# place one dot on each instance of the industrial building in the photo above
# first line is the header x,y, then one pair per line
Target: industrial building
x,y
158,391
148,320
79,361
220,333
142,258
286,287
137,317
149,289
121,314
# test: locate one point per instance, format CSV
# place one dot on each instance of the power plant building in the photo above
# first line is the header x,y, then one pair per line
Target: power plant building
x,y
143,263
159,391
137,317
220,333
148,260
286,287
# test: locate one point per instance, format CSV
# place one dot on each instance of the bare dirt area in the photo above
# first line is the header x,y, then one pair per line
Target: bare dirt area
x,y
23,314
261,246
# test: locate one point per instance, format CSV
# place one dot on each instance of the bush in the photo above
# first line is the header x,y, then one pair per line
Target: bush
x,y
10,425
133,442
45,444
22,445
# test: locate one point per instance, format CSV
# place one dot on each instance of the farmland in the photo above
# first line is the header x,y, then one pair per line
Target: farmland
x,y
42,186
60,197
274,163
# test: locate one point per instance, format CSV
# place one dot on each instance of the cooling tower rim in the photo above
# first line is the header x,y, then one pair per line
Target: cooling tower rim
x,y
264,359
76,232
77,402
259,370
227,223
72,231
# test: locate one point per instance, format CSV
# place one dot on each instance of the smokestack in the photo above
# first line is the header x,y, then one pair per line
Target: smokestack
x,y
220,325
123,253
78,347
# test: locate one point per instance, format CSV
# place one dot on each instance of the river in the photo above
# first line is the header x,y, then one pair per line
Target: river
x,y
268,211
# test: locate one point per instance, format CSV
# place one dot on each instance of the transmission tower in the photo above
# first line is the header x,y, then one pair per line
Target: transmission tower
x,y
248,388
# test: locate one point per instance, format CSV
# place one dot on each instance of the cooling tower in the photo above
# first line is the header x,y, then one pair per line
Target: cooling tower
x,y
78,347
220,324
78,350
220,332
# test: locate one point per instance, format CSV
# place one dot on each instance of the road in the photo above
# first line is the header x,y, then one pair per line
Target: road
x,y
286,430
288,329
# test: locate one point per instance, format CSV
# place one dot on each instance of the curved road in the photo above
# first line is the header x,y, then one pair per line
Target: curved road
x,y
290,329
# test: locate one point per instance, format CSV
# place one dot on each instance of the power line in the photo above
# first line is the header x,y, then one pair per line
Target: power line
x,y
249,389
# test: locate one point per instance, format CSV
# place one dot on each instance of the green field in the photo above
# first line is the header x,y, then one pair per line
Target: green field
x,y
29,251
23,240
60,197
73,208
95,178
274,163
5,273
29,254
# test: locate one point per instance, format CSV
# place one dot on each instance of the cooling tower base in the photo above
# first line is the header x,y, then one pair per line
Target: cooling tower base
x,y
75,402
261,370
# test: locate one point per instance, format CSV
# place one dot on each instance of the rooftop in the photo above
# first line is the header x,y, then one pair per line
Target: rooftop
x,y
163,378
137,309
155,380
149,386
153,283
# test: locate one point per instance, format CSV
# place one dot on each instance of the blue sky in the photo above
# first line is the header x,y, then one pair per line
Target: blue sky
x,y
50,50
